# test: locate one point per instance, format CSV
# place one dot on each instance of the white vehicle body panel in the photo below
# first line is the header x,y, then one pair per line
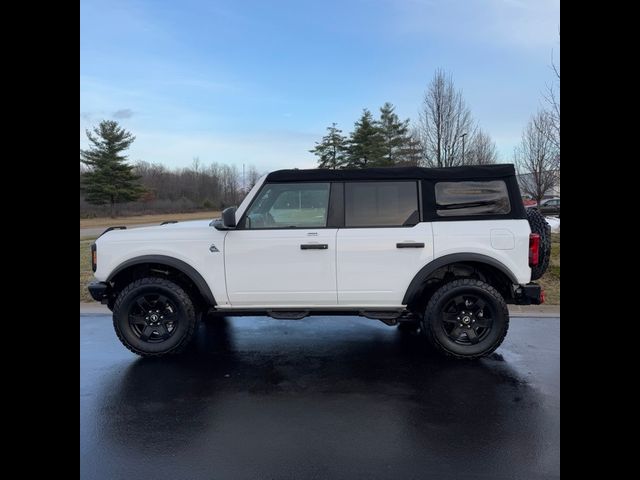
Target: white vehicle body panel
x,y
372,270
487,237
189,242
268,267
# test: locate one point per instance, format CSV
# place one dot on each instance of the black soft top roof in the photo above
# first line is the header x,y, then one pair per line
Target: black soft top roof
x,y
394,173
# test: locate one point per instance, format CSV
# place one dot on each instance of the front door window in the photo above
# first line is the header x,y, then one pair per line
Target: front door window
x,y
289,205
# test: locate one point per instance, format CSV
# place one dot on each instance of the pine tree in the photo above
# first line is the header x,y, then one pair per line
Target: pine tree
x,y
366,143
332,149
410,154
109,180
395,135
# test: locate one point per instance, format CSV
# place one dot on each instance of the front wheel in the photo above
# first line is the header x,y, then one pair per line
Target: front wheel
x,y
466,319
153,317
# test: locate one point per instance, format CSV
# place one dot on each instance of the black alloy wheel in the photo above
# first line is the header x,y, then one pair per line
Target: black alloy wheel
x,y
466,318
154,316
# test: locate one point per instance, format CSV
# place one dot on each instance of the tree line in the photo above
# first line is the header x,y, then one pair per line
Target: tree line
x,y
446,135
109,185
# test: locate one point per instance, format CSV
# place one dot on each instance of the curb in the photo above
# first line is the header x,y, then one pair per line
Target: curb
x,y
90,308
539,311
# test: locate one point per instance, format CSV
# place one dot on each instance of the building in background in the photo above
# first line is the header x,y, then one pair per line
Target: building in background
x,y
526,178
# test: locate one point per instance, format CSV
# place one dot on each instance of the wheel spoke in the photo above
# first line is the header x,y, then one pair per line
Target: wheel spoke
x,y
137,320
483,322
162,301
143,304
478,305
472,335
459,301
163,331
455,333
169,316
171,319
450,317
146,333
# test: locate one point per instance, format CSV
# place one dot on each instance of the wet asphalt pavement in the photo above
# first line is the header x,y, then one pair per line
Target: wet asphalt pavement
x,y
321,398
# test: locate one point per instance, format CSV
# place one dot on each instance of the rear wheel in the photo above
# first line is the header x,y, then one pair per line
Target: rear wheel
x,y
466,318
154,317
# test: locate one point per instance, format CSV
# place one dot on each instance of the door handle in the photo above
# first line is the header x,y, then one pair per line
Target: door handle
x,y
314,246
409,245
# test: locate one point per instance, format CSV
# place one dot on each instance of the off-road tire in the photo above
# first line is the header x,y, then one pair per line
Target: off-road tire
x,y
187,318
540,226
433,324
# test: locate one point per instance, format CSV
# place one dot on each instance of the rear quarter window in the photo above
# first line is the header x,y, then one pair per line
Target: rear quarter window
x,y
469,198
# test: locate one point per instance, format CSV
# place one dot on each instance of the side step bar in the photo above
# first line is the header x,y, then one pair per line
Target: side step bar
x,y
288,315
389,317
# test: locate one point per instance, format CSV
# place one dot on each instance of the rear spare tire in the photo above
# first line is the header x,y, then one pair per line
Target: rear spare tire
x,y
540,226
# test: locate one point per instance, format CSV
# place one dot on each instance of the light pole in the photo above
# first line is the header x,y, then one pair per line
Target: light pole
x,y
462,136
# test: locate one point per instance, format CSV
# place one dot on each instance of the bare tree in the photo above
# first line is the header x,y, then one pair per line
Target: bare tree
x,y
482,150
252,177
444,118
537,158
552,98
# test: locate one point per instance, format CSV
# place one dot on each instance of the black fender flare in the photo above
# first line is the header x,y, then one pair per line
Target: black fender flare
x,y
423,274
183,267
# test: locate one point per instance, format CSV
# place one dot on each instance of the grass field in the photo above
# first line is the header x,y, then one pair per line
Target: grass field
x,y
550,280
107,221
86,275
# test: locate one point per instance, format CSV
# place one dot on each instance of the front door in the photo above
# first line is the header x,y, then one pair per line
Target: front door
x,y
282,254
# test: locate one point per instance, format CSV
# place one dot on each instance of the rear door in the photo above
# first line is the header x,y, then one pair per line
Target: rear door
x,y
383,243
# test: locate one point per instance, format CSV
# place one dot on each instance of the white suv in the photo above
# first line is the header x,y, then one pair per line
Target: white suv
x,y
440,250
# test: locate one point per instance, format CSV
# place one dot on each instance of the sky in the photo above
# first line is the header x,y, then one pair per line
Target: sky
x,y
257,82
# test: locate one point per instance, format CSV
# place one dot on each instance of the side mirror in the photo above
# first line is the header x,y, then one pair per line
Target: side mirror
x,y
228,221
229,217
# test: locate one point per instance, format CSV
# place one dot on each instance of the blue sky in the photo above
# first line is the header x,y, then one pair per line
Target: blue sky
x,y
257,82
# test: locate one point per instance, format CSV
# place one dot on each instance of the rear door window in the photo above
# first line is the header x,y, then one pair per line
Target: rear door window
x,y
381,204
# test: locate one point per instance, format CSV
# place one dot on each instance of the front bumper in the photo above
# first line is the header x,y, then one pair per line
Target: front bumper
x,y
529,294
99,291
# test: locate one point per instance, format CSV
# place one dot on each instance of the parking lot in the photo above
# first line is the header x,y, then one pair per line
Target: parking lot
x,y
325,397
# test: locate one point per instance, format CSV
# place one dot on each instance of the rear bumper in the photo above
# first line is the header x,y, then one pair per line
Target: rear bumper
x,y
99,291
529,294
